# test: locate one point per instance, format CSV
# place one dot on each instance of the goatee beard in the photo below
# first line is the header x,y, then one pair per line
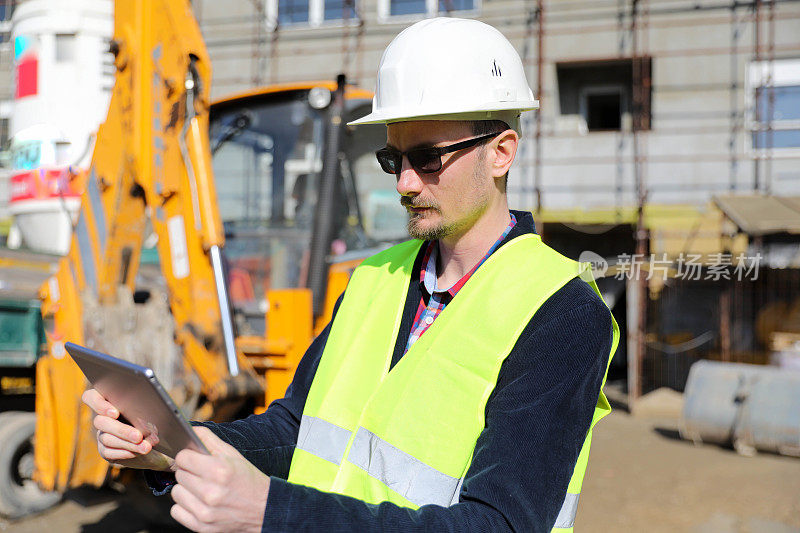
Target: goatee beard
x,y
414,228
433,233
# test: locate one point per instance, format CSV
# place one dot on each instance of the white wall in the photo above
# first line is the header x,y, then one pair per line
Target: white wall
x,y
701,104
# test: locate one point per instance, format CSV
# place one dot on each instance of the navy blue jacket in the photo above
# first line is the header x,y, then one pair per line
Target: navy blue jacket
x,y
536,421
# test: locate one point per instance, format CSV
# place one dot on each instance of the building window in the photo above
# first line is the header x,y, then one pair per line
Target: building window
x,y
407,7
340,9
7,9
602,106
65,47
312,12
448,6
424,8
292,11
604,93
775,104
3,134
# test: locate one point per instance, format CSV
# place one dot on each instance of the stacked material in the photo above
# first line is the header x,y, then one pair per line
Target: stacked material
x,y
784,340
751,407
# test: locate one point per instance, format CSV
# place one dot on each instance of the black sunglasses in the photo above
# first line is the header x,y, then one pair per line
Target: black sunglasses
x,y
424,160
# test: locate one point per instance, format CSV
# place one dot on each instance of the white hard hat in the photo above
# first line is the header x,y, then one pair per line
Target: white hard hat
x,y
450,69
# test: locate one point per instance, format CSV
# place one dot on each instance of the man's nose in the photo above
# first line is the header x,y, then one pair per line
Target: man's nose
x,y
408,181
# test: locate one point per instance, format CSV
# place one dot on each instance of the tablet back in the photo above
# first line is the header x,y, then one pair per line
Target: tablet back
x,y
140,398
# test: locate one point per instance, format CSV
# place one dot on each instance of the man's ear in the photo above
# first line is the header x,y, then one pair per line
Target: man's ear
x,y
503,149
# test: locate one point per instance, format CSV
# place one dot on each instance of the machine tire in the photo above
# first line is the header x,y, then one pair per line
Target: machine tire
x,y
19,494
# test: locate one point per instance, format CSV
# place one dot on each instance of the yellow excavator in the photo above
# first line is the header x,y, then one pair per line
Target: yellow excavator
x,y
211,244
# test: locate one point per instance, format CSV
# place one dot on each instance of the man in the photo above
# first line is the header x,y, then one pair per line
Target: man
x,y
456,387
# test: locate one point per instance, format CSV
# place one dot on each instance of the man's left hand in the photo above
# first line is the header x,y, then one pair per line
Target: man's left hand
x,y
218,492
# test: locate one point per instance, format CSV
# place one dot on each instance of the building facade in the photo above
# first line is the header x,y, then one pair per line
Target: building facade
x,y
667,129
653,99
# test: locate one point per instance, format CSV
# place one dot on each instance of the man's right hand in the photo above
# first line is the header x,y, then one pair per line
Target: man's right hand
x,y
119,443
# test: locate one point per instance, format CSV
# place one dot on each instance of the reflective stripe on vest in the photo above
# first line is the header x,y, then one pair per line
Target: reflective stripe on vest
x,y
407,435
566,516
417,482
323,439
403,473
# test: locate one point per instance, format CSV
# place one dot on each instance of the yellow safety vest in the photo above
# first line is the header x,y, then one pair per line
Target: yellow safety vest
x,y
407,435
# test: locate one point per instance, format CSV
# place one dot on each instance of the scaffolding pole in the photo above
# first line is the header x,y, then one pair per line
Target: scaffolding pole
x,y
639,121
770,94
537,176
258,65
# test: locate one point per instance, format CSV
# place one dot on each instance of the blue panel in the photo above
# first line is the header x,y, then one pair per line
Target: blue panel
x,y
27,155
407,7
21,45
292,11
20,331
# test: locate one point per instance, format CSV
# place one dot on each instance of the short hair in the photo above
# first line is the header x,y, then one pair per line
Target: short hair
x,y
484,127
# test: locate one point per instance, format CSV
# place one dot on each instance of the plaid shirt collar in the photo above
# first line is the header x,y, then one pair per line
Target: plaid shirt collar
x,y
428,276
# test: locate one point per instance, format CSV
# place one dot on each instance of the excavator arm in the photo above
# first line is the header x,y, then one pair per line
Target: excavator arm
x,y
151,170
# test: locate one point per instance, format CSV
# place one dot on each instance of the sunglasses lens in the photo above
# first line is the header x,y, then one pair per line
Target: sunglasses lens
x,y
425,160
390,161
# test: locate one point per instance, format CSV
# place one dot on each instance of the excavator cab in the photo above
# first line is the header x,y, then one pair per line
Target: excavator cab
x,y
267,155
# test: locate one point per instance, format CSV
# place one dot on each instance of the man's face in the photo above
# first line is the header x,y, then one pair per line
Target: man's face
x,y
447,202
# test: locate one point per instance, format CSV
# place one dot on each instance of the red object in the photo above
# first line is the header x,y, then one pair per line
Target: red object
x,y
240,286
41,184
27,77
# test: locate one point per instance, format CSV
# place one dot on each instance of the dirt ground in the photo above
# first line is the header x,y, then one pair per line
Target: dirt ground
x,y
641,477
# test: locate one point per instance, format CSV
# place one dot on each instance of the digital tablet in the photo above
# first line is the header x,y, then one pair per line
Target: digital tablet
x,y
135,391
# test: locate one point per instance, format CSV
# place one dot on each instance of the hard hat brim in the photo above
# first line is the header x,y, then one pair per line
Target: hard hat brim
x,y
388,116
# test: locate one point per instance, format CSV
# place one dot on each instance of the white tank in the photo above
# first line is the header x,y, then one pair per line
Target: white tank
x,y
63,79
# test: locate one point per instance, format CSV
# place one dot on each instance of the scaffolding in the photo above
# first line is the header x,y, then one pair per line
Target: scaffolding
x,y
639,158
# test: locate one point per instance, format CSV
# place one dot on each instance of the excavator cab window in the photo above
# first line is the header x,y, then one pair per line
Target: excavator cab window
x,y
373,198
267,158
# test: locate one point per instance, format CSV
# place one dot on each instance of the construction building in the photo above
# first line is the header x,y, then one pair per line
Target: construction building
x,y
667,146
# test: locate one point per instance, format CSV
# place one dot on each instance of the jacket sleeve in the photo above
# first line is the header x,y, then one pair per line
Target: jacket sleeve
x,y
267,440
536,421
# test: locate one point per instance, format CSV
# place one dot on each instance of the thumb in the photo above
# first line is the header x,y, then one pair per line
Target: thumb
x,y
214,444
